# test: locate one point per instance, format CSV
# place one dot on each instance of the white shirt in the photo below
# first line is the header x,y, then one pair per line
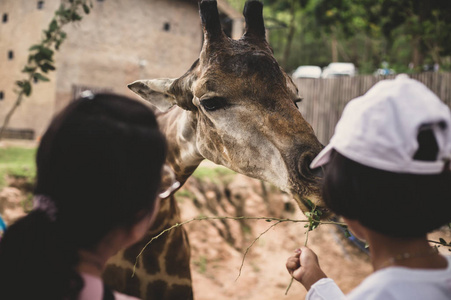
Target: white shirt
x,y
393,283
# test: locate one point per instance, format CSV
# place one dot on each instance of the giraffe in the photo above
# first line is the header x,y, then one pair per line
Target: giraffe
x,y
236,107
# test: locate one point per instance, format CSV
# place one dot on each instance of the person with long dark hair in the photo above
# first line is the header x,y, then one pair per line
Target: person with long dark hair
x,y
99,169
387,173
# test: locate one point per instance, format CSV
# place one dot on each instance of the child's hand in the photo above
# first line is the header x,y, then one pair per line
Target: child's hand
x,y
304,267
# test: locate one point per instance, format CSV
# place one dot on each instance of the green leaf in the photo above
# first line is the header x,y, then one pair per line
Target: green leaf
x,y
46,52
53,26
60,10
310,203
75,17
28,69
86,9
35,47
26,88
48,35
20,83
47,67
39,76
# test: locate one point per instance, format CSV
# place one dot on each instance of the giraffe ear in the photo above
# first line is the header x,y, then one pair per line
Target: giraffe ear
x,y
155,91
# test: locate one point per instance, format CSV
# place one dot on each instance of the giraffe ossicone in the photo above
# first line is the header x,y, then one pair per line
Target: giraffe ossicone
x,y
236,107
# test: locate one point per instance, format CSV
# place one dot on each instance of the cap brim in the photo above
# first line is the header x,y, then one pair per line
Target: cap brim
x,y
322,158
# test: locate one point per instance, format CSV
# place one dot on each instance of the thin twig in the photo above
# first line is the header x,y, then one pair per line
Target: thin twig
x,y
253,242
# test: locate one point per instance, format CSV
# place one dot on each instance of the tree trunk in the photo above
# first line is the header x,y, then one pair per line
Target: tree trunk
x,y
10,114
334,46
417,56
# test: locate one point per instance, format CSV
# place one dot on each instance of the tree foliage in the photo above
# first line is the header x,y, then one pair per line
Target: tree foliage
x,y
365,32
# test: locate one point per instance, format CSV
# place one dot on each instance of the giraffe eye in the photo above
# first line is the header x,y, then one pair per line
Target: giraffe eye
x,y
215,103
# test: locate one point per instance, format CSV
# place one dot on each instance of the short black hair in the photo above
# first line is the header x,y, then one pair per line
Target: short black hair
x,y
394,204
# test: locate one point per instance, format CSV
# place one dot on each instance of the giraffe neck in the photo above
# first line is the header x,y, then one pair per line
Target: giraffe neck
x,y
179,127
162,271
159,270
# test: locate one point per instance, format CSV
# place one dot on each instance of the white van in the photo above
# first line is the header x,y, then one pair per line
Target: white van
x,y
336,69
307,72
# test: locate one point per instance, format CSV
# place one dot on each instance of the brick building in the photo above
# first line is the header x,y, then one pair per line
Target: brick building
x,y
118,42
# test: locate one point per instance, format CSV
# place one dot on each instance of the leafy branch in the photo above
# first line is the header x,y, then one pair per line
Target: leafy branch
x,y
203,218
312,222
40,60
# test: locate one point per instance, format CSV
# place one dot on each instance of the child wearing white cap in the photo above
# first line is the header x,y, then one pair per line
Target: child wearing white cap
x,y
387,173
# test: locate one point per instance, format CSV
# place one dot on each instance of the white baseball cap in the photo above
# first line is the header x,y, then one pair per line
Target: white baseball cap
x,y
380,128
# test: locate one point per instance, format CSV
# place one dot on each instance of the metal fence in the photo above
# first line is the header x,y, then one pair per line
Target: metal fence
x,y
325,98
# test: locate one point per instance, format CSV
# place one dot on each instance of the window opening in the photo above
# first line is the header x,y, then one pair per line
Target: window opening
x,y
167,26
40,4
10,54
5,18
2,95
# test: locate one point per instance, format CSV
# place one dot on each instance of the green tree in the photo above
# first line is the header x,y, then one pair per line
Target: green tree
x,y
365,32
426,24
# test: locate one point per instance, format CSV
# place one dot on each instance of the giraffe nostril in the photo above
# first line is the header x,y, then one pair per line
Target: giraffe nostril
x,y
304,166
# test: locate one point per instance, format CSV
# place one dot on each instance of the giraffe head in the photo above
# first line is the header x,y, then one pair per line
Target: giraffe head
x,y
243,107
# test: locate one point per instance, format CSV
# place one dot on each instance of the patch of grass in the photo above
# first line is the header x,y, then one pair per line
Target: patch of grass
x,y
218,174
183,192
17,162
255,267
201,263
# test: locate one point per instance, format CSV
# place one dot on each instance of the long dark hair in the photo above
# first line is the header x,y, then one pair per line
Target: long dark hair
x,y
395,204
100,163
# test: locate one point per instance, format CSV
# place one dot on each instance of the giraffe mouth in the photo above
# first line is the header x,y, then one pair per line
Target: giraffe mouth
x,y
308,205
